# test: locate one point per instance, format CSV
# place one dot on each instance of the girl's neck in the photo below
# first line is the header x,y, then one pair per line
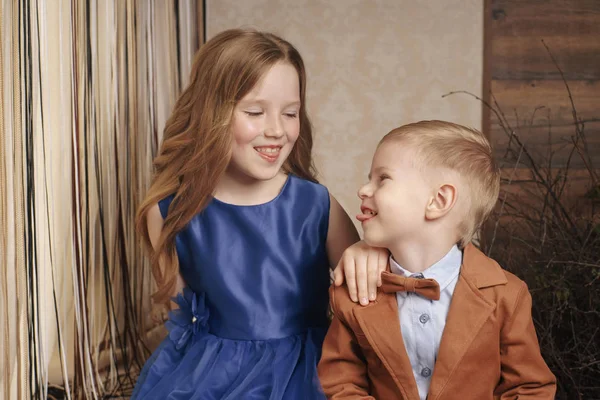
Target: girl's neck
x,y
245,191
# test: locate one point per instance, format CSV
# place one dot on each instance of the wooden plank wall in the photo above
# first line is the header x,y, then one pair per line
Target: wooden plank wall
x,y
522,76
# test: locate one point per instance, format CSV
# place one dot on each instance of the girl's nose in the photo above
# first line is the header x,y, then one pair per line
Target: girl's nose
x,y
274,127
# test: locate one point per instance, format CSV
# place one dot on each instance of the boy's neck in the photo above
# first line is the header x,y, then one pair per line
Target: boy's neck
x,y
415,257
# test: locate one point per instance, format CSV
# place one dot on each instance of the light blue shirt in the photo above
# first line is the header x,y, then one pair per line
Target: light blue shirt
x,y
422,320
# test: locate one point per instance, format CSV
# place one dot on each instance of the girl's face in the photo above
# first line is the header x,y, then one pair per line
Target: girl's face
x,y
265,125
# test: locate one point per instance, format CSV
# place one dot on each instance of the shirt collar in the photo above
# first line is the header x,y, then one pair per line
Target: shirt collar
x,y
443,271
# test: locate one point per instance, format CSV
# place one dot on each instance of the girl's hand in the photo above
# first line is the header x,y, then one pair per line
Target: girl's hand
x,y
361,265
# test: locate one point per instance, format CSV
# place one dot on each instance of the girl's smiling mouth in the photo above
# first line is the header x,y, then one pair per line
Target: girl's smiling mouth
x,y
268,153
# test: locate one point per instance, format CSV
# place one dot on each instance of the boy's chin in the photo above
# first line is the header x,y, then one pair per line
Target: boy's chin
x,y
374,241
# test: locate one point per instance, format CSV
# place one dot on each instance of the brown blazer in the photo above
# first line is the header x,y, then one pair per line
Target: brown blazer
x,y
489,348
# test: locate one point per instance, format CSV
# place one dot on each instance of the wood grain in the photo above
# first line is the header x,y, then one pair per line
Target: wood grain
x,y
525,57
547,130
526,83
570,28
521,98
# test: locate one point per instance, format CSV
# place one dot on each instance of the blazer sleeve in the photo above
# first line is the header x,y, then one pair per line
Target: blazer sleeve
x,y
342,369
524,373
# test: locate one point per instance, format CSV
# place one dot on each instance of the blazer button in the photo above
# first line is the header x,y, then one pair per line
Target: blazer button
x,y
424,318
425,372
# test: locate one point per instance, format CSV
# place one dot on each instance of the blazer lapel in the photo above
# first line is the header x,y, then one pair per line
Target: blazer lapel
x,y
468,312
380,324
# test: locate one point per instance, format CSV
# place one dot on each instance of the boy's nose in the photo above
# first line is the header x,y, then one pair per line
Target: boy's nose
x,y
365,191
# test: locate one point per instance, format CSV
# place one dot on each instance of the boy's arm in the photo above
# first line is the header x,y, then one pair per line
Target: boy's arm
x,y
342,369
525,374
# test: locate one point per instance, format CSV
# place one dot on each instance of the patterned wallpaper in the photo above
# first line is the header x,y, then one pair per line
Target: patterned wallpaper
x,y
372,65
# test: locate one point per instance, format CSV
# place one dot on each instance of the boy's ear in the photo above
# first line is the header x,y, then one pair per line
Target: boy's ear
x,y
441,202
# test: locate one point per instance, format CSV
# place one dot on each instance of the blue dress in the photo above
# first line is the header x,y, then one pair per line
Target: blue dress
x,y
252,323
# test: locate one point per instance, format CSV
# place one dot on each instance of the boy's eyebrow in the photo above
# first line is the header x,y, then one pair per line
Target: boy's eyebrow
x,y
378,169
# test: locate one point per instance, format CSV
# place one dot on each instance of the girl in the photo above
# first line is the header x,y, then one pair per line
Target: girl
x,y
240,228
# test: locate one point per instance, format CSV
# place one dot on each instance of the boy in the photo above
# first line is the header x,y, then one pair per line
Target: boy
x,y
450,323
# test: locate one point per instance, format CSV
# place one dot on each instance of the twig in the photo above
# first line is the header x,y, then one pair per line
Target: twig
x,y
567,263
554,246
500,115
578,123
502,206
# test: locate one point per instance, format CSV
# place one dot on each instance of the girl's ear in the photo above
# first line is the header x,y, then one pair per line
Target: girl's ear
x,y
441,202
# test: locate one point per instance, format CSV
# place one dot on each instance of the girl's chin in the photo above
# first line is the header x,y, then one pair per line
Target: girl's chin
x,y
261,174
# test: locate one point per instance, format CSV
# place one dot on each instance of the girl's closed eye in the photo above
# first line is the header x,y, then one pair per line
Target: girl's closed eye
x,y
291,114
254,113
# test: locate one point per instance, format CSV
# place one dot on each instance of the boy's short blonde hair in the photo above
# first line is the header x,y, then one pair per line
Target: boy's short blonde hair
x,y
463,150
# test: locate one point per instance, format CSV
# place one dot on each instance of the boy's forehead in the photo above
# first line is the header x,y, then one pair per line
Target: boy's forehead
x,y
391,154
394,156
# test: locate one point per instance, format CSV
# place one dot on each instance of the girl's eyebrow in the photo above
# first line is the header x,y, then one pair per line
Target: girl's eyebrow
x,y
264,102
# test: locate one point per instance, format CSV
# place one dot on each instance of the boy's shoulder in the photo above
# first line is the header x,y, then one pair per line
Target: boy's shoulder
x,y
341,303
513,282
343,306
494,282
340,297
508,295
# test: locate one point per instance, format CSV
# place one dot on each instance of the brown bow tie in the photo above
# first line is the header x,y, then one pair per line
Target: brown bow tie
x,y
392,283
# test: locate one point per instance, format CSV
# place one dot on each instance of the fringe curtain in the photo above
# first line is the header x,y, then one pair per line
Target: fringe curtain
x,y
86,89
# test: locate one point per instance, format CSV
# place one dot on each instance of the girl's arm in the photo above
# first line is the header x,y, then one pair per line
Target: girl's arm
x,y
342,233
155,224
358,263
363,264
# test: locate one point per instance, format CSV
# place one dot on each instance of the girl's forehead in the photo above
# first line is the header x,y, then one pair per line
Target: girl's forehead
x,y
279,83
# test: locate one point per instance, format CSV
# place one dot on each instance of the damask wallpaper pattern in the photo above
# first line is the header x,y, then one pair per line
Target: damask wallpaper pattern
x,y
372,66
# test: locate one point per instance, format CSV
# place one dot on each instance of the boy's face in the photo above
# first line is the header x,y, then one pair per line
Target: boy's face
x,y
395,198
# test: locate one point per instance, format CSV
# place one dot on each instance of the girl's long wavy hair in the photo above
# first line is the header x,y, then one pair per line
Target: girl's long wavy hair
x,y
197,142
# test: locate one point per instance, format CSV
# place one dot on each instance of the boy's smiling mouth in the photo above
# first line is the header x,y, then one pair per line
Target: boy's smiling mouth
x,y
366,214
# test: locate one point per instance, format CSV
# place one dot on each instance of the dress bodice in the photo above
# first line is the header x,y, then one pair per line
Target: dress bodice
x,y
263,268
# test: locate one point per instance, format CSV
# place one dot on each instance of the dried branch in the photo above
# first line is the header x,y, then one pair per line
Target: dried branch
x,y
550,238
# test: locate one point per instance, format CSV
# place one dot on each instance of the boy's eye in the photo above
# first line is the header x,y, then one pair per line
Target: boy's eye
x,y
383,177
253,113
